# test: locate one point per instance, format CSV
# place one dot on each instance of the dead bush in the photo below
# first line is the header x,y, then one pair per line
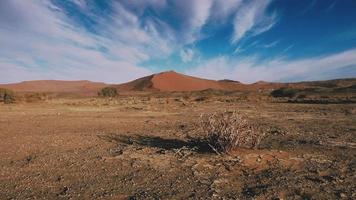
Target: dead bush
x,y
226,131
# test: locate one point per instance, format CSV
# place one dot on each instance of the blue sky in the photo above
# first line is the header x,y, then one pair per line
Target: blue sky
x,y
117,41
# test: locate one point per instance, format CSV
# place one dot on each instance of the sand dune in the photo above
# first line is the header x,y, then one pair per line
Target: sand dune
x,y
56,86
173,81
168,81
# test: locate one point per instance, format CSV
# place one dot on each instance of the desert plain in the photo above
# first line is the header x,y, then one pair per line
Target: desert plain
x,y
140,145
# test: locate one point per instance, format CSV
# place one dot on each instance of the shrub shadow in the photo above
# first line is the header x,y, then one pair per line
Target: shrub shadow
x,y
195,144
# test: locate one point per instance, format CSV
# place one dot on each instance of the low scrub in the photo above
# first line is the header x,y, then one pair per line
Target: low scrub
x,y
226,131
7,96
35,97
284,92
108,92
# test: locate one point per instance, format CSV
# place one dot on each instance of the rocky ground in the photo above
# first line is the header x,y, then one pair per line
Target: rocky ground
x,y
141,147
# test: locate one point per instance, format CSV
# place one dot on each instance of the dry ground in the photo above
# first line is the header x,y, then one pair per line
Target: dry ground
x,y
139,148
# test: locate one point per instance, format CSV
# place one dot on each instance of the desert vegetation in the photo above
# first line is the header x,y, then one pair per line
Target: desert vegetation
x,y
35,97
108,92
226,131
7,96
155,144
284,92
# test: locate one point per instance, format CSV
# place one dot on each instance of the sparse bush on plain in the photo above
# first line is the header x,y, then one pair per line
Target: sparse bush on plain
x,y
108,92
35,97
302,96
226,131
284,92
201,98
7,96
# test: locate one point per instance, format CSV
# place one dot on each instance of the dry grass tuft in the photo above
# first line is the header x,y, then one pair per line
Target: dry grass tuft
x,y
226,131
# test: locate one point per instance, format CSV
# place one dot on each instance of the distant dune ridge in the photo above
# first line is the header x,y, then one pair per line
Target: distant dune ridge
x,y
172,81
56,86
168,81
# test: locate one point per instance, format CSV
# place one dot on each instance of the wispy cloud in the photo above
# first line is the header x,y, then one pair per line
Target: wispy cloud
x,y
81,3
270,45
36,38
280,69
187,55
331,6
310,6
287,49
223,10
252,18
41,37
80,39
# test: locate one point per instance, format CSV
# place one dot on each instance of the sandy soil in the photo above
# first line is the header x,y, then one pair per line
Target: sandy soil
x,y
139,148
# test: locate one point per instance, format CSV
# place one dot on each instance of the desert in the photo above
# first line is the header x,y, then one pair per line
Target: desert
x,y
142,144
177,99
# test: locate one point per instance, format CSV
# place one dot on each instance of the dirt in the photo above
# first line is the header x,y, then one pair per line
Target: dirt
x,y
143,147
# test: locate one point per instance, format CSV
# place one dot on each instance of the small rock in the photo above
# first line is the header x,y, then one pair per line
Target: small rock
x,y
259,158
343,195
215,195
116,152
161,151
64,191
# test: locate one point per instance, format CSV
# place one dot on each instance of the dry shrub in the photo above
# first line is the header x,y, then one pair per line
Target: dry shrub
x,y
226,131
7,96
108,92
284,92
35,97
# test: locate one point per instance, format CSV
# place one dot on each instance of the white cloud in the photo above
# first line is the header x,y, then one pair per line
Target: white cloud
x,y
41,43
217,68
81,3
187,55
192,15
252,18
201,12
40,37
250,70
224,9
139,5
269,45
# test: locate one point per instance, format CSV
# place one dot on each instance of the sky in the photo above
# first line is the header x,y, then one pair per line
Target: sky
x,y
115,41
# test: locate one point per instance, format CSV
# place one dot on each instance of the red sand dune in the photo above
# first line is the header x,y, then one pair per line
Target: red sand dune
x,y
173,81
55,86
165,82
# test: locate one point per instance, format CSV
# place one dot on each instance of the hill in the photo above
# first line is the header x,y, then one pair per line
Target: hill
x,y
173,81
168,81
86,88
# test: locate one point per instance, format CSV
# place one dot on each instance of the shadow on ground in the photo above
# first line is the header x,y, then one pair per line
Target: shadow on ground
x,y
195,144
